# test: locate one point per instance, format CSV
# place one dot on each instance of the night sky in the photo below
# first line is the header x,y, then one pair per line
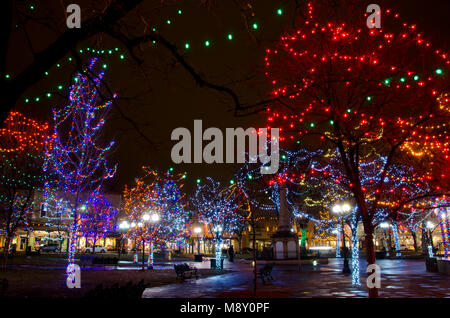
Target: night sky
x,y
160,95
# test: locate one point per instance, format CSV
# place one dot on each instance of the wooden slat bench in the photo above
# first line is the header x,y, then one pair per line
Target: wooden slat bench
x,y
265,273
183,270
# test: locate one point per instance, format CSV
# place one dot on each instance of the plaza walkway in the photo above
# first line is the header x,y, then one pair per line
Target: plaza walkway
x,y
399,278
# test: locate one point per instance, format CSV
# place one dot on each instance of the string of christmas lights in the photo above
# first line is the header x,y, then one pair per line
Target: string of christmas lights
x,y
217,208
75,156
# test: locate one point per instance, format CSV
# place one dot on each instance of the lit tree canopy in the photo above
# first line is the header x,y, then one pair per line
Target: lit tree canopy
x,y
97,219
22,143
155,208
217,207
369,93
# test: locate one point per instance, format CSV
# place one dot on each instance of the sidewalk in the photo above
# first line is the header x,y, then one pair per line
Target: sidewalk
x,y
399,278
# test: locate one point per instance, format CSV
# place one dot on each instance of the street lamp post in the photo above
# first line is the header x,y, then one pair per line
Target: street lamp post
x,y
153,218
123,226
385,227
342,209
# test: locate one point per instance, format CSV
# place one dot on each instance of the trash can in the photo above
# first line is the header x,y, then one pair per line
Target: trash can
x,y
431,264
213,263
198,258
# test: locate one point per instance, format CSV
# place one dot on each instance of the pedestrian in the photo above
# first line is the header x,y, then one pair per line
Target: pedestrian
x,y
231,254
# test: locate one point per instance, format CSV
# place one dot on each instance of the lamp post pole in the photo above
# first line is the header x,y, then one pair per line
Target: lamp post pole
x,y
123,226
198,230
346,269
153,218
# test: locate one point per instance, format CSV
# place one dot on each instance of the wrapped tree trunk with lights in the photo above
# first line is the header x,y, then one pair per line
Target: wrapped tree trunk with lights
x,y
362,91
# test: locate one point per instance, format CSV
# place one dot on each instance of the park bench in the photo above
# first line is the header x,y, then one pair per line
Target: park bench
x,y
265,273
184,269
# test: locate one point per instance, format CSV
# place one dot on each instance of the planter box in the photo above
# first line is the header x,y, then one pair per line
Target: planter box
x,y
380,255
443,266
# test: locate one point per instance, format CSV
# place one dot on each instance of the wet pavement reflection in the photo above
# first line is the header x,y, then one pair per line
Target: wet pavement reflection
x,y
399,278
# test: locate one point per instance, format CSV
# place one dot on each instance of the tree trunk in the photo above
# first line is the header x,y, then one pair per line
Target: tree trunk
x,y
430,236
119,248
424,239
370,254
5,252
414,236
93,245
143,255
60,243
239,244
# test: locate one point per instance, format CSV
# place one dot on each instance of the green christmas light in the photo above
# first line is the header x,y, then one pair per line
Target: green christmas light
x,y
279,12
312,125
230,36
122,56
186,46
231,181
198,180
416,77
403,80
255,26
207,43
439,71
60,87
369,98
104,65
387,81
180,12
332,122
7,76
168,22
